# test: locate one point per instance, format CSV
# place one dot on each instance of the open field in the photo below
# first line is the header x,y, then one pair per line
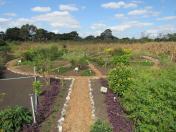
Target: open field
x,y
154,47
139,77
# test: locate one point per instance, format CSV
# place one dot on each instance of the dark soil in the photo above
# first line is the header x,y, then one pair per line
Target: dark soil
x,y
16,92
51,123
99,99
116,115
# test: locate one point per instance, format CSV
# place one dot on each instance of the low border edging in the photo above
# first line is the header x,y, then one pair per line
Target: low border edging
x,y
63,112
92,101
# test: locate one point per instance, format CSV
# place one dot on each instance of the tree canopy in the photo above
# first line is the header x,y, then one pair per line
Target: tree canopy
x,y
32,33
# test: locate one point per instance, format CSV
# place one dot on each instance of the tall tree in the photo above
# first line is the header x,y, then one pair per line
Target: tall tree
x,y
13,33
41,34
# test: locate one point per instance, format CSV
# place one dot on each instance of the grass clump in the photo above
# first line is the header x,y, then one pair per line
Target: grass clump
x,y
100,126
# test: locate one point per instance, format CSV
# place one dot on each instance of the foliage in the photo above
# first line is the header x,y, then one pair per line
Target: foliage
x,y
42,57
37,87
118,60
51,53
62,70
120,78
121,56
99,60
12,119
45,107
3,46
100,126
150,100
86,72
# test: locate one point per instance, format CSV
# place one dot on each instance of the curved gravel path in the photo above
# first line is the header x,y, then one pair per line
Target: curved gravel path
x,y
79,112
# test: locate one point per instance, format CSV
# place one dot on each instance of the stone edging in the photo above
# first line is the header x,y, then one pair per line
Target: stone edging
x,y
63,112
92,101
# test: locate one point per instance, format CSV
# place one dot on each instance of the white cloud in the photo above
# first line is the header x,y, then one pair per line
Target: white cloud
x,y
120,15
98,26
58,19
167,18
129,25
69,7
164,29
146,12
10,14
120,4
9,23
2,20
41,9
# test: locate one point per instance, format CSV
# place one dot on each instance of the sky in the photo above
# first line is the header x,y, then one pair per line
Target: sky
x,y
126,18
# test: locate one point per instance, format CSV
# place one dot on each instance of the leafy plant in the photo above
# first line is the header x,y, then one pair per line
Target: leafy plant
x,y
100,126
13,118
120,78
150,100
87,72
118,60
121,56
37,87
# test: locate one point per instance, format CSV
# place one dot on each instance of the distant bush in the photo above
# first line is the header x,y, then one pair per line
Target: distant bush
x,y
12,119
44,53
120,79
3,46
100,126
2,43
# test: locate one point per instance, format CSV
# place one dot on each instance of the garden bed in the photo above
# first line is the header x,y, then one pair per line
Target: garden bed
x,y
50,106
109,110
99,100
16,92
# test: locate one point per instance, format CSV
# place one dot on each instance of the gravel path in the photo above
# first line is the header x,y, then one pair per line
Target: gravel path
x,y
78,117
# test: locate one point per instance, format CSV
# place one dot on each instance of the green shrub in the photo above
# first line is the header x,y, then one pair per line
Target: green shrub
x,y
62,70
118,60
37,87
2,43
150,100
51,53
87,72
121,56
12,119
120,78
100,126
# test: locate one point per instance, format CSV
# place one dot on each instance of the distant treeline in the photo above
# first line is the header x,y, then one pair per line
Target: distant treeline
x,y
32,33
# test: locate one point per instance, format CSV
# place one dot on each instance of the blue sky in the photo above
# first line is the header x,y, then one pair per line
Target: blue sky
x,y
126,18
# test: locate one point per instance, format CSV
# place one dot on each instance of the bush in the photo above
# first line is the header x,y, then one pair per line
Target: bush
x,y
12,119
118,60
119,79
2,43
3,46
100,126
150,100
51,53
121,56
87,72
37,87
